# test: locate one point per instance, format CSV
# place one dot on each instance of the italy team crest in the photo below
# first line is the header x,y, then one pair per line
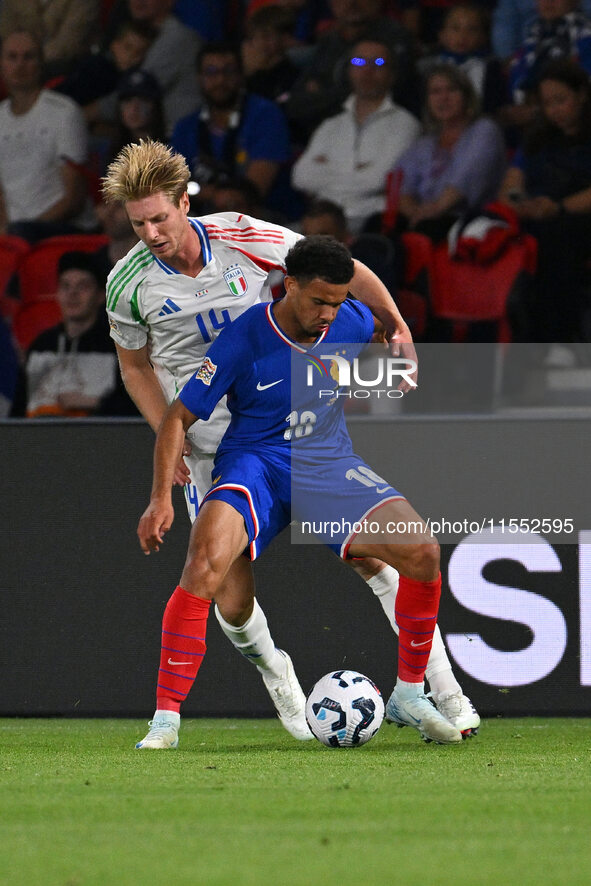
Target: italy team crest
x,y
235,280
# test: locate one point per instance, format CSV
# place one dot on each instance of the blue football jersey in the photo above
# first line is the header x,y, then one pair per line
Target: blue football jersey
x,y
281,393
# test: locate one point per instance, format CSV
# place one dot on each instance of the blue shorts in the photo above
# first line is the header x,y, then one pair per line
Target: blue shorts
x,y
269,493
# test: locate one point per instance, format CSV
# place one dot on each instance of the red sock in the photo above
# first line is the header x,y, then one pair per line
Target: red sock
x,y
183,646
417,604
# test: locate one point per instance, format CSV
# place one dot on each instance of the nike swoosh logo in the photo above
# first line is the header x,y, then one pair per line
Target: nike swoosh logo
x,y
424,643
171,662
380,489
261,387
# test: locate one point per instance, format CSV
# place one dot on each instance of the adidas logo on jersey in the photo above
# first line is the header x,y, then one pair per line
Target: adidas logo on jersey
x,y
168,307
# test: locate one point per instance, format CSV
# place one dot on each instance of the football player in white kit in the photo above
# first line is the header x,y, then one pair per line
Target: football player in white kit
x,y
167,299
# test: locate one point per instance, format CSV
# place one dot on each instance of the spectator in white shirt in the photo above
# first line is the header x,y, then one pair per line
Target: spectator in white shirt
x,y
349,155
43,144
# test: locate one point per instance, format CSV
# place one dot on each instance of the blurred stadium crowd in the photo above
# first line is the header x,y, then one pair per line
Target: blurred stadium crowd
x,y
447,143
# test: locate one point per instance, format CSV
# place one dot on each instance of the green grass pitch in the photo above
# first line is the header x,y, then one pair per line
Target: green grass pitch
x,y
242,803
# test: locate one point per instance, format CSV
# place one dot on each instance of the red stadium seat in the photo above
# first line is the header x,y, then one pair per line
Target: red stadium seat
x,y
38,270
390,214
418,249
468,292
413,296
12,251
34,318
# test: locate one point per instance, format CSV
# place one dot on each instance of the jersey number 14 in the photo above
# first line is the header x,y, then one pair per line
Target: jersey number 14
x,y
208,334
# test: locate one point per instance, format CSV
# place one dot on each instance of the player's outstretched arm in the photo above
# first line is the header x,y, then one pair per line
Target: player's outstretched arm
x,y
158,516
369,289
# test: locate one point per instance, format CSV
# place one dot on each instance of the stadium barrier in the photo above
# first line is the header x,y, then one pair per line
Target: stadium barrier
x,y
82,605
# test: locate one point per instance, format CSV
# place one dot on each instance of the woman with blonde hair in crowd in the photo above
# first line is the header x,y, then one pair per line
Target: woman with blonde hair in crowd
x,y
457,165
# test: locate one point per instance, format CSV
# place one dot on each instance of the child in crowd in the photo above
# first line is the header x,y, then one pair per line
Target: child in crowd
x,y
267,68
98,74
464,41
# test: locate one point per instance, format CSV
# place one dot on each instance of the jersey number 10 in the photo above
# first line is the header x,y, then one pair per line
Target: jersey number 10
x,y
300,425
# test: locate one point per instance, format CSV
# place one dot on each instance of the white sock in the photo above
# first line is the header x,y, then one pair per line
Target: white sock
x,y
385,587
439,673
171,716
408,690
441,681
253,639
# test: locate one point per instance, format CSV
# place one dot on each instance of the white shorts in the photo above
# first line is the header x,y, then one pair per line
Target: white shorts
x,y
200,466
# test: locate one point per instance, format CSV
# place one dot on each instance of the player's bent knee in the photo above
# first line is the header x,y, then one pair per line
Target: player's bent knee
x,y
423,561
205,568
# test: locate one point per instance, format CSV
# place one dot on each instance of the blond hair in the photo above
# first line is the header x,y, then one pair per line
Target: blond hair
x,y
146,168
458,79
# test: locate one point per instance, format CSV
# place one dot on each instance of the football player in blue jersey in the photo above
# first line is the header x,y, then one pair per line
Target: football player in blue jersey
x,y
167,300
258,486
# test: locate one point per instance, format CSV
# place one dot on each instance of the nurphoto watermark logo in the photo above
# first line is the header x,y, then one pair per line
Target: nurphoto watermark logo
x,y
360,378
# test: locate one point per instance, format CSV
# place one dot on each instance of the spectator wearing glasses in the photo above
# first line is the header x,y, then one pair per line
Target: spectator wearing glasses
x,y
234,132
349,155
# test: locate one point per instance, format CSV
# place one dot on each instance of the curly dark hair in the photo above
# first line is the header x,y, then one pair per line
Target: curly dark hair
x,y
319,257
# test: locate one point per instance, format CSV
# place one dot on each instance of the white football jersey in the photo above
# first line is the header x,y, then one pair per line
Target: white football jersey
x,y
149,302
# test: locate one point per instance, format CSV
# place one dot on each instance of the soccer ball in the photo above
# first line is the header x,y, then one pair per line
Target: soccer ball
x,y
344,709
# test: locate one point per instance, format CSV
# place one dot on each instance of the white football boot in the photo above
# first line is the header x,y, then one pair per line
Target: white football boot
x,y
418,712
459,710
289,700
163,732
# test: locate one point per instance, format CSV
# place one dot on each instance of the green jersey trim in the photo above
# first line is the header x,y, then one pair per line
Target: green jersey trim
x,y
125,275
135,310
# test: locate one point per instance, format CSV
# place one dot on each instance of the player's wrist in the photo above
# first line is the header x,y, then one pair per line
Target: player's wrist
x,y
400,332
161,497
